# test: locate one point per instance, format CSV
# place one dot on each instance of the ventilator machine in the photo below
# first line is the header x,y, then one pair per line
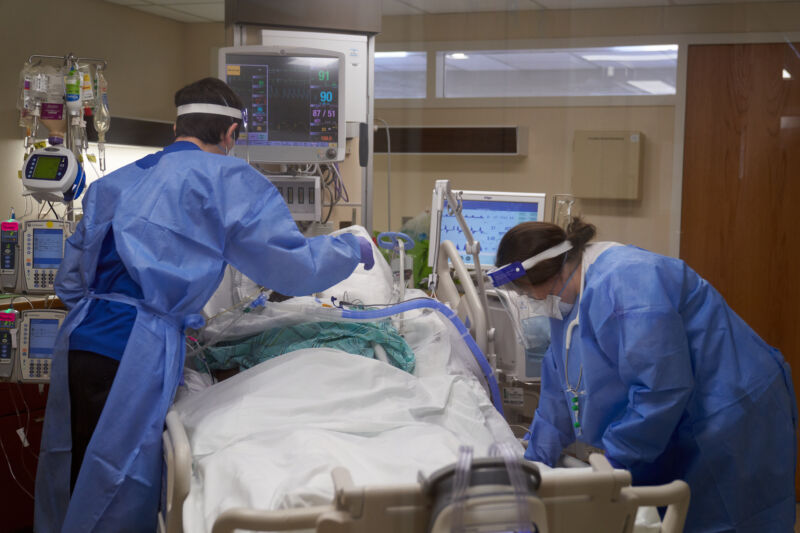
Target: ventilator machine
x,y
466,229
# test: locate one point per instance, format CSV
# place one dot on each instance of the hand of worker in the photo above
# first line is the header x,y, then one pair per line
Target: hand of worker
x,y
366,253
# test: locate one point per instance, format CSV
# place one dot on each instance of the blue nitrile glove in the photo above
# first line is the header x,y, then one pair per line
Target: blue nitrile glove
x,y
366,253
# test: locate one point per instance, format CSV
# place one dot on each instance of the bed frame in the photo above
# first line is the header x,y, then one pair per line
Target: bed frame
x,y
601,500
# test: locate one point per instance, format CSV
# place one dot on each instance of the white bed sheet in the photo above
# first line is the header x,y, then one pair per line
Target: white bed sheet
x,y
269,437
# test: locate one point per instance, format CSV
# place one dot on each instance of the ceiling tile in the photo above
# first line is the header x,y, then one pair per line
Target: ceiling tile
x,y
396,7
170,13
215,12
181,2
467,6
597,4
695,2
127,2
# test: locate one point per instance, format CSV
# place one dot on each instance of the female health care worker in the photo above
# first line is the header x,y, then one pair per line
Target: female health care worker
x,y
150,250
648,363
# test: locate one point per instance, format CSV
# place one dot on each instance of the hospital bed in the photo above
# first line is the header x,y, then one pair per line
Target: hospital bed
x,y
326,441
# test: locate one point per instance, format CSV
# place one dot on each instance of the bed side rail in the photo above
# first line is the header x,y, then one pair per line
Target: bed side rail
x,y
178,459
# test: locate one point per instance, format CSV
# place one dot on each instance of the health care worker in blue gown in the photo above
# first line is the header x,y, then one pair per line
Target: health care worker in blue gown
x,y
150,250
648,363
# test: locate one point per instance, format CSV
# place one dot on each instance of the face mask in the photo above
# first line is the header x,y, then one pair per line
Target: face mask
x,y
536,333
565,308
552,306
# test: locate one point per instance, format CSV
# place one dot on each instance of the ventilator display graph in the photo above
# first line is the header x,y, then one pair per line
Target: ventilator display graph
x,y
488,221
290,100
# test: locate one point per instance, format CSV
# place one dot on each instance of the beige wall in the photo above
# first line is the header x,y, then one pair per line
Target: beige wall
x,y
546,168
149,58
646,222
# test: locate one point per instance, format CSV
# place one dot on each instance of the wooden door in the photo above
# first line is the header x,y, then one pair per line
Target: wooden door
x,y
740,225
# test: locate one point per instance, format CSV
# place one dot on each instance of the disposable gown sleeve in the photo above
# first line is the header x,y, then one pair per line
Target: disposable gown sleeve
x,y
655,364
68,285
551,430
267,247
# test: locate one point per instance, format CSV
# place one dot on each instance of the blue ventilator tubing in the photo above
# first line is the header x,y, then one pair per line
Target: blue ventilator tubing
x,y
430,303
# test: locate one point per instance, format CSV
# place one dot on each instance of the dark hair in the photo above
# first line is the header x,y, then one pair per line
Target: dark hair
x,y
530,238
205,126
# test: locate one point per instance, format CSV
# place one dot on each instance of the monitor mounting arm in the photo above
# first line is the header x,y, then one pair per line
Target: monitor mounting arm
x,y
442,192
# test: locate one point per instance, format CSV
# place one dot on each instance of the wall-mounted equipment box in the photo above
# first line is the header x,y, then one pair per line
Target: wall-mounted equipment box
x,y
607,164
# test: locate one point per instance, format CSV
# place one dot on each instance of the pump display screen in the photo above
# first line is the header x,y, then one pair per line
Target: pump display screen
x,y
47,247
43,337
46,167
290,100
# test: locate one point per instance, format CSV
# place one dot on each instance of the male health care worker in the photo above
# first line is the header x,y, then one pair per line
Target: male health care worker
x,y
151,247
648,363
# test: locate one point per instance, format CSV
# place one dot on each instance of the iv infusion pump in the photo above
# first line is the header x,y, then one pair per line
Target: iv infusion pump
x,y
41,249
27,340
9,254
8,342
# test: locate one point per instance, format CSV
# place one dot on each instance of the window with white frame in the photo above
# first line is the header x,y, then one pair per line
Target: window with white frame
x,y
400,74
570,72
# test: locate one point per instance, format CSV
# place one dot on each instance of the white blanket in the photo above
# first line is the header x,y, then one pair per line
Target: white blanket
x,y
269,437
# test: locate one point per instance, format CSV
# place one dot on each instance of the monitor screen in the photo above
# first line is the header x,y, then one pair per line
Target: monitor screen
x,y
489,216
292,102
43,337
46,167
47,247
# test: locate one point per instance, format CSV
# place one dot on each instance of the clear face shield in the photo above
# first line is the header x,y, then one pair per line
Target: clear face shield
x,y
529,317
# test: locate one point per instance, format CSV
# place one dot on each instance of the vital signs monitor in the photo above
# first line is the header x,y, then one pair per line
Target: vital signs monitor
x,y
42,251
292,99
489,216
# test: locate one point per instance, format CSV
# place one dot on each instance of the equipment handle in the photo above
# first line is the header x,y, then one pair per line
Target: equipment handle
x,y
393,240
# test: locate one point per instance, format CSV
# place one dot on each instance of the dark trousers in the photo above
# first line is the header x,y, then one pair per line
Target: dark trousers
x,y
90,379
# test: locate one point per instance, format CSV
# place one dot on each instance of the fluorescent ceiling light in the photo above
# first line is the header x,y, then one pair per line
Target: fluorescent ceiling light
x,y
385,55
458,55
621,58
653,86
786,74
648,48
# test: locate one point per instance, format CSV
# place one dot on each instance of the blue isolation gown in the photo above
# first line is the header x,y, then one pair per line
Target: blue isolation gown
x,y
675,385
178,218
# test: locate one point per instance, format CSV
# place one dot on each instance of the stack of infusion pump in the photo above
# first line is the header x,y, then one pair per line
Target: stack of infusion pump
x,y
31,253
27,340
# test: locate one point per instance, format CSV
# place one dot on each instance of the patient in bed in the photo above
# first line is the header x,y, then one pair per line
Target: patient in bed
x,y
354,338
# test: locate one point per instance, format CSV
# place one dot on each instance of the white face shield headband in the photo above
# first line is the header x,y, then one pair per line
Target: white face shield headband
x,y
211,109
215,109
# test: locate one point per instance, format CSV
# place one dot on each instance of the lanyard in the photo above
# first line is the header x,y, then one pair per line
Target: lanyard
x,y
575,390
